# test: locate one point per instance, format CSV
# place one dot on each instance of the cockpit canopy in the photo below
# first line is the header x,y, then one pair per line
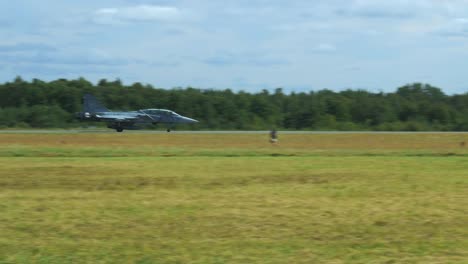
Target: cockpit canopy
x,y
161,112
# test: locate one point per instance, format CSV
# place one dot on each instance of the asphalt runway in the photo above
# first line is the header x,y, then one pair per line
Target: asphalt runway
x,y
111,131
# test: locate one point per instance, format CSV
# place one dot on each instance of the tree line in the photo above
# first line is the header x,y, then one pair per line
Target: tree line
x,y
413,107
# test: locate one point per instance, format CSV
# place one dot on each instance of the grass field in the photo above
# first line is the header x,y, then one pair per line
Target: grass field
x,y
169,198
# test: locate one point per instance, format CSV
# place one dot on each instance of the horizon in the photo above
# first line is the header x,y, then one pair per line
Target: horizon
x,y
271,91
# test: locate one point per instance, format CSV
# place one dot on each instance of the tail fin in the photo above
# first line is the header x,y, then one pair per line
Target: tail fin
x,y
92,105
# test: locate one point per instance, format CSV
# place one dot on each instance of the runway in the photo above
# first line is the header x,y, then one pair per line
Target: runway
x,y
110,131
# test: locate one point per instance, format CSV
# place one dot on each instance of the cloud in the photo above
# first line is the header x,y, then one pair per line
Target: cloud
x,y
379,9
398,9
303,27
453,28
22,54
27,47
325,47
58,71
5,23
258,60
140,13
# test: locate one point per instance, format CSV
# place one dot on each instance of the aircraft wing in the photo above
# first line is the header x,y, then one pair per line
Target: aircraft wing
x,y
115,118
120,118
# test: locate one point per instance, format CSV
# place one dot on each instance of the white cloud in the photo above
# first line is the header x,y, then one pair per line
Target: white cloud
x,y
303,27
245,59
325,47
454,28
403,9
138,13
395,9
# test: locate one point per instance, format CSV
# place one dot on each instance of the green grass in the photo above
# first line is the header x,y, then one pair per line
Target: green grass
x,y
199,204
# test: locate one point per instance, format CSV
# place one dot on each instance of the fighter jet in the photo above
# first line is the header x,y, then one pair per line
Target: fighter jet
x,y
93,110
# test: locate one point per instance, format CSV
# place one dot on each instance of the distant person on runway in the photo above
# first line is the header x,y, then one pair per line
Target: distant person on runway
x,y
273,136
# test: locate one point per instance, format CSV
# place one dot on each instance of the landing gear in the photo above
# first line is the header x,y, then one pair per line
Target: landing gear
x,y
119,129
168,130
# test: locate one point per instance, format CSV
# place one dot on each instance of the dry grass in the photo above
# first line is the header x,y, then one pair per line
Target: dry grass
x,y
350,208
436,141
122,145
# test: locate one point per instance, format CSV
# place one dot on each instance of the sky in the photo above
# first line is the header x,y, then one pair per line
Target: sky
x,y
250,45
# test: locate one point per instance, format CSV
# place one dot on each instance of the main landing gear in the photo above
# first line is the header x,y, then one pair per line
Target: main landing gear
x,y
119,129
168,130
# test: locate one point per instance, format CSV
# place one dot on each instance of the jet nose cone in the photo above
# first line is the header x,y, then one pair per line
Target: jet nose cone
x,y
189,120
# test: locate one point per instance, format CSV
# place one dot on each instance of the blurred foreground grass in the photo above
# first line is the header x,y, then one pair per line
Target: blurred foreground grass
x,y
111,198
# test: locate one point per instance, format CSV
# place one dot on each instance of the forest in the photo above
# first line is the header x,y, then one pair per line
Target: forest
x,y
413,107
